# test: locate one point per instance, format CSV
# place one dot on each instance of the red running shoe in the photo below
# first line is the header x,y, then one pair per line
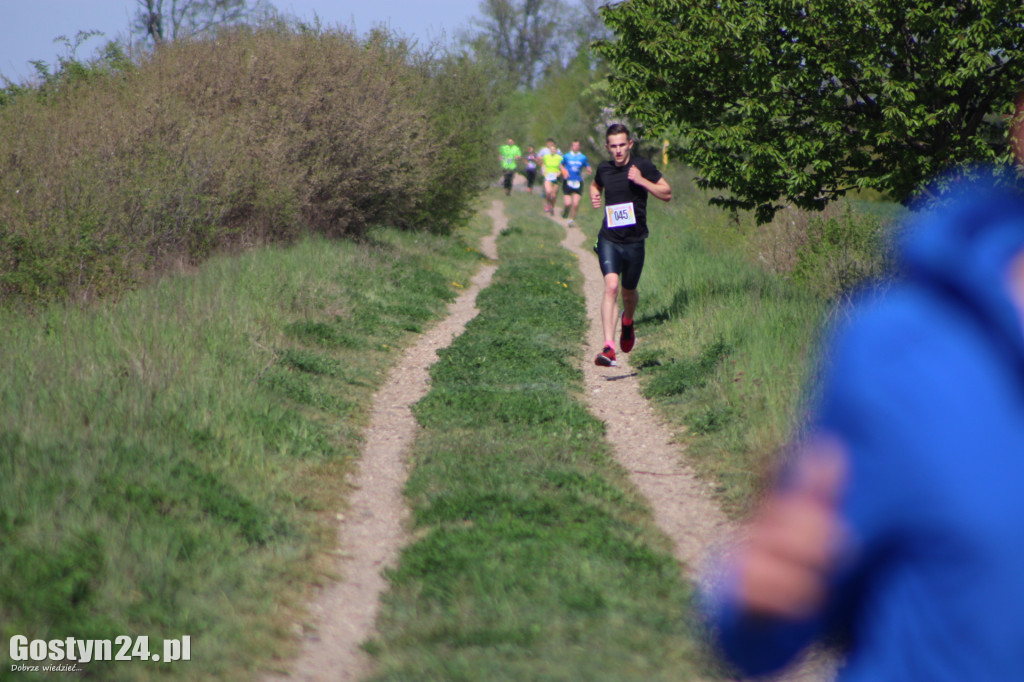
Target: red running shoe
x,y
627,338
606,358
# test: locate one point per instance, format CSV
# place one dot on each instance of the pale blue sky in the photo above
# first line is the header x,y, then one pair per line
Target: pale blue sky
x,y
28,27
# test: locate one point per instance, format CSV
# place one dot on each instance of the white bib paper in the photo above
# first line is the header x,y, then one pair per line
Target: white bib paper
x,y
575,184
620,215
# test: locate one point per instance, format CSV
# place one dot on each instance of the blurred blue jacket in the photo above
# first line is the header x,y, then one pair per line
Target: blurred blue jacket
x,y
924,383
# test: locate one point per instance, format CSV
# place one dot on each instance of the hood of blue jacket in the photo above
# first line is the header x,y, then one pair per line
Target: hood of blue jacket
x,y
963,247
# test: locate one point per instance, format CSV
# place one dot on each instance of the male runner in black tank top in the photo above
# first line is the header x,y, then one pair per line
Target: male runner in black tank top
x,y
626,181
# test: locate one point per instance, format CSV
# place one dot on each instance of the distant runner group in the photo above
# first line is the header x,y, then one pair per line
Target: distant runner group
x,y
624,180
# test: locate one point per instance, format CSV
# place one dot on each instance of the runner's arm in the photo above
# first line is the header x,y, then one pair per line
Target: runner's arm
x,y
660,189
595,194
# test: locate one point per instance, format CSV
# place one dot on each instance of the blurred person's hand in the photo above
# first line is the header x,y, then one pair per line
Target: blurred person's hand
x,y
793,541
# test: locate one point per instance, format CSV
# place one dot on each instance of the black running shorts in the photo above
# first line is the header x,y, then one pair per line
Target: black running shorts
x,y
566,189
626,260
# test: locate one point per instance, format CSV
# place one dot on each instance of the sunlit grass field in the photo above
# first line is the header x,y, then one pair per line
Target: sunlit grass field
x,y
171,463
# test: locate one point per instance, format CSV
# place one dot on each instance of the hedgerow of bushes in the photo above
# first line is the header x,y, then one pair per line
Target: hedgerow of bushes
x,y
257,134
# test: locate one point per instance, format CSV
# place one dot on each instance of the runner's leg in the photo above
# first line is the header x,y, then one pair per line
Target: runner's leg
x,y
610,307
630,299
575,206
630,280
551,194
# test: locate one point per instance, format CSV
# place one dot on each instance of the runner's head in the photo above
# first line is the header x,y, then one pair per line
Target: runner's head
x,y
510,142
551,144
576,145
619,143
617,129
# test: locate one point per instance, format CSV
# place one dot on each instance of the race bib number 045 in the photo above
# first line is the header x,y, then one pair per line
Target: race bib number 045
x,y
620,215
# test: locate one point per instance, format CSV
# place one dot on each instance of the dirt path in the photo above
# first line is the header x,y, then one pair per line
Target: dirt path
x,y
372,531
682,505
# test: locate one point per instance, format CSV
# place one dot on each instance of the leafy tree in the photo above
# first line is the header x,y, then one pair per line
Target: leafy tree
x,y
533,39
566,105
559,98
521,34
168,20
804,100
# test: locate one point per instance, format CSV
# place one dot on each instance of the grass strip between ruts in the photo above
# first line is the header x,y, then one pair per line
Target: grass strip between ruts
x,y
534,557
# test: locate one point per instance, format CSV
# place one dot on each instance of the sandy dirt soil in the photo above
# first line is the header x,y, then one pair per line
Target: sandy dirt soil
x,y
373,530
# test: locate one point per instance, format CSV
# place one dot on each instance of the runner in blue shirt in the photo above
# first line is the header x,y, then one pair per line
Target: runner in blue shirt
x,y
574,163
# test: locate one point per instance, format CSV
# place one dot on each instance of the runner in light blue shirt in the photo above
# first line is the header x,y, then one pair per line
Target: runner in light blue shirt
x,y
574,163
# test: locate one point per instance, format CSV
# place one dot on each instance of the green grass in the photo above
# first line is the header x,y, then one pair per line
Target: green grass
x,y
170,463
535,557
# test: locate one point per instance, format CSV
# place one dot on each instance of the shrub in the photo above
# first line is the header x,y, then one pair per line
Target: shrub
x,y
841,252
250,136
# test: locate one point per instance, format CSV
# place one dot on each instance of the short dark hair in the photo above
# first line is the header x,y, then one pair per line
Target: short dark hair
x,y
551,140
616,129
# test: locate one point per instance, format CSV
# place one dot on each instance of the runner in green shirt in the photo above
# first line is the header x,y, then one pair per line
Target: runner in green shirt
x,y
509,154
